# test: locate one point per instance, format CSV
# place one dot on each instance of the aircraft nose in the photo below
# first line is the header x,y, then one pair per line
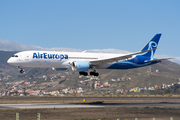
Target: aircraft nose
x,y
9,61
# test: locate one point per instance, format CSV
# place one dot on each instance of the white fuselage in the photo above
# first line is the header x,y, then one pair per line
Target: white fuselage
x,y
54,59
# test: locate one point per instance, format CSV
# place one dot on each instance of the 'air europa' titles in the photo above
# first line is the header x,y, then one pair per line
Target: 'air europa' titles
x,y
50,56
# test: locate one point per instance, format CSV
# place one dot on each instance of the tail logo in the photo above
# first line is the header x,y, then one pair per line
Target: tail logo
x,y
151,45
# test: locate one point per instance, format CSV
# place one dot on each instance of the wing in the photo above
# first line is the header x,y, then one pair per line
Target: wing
x,y
116,59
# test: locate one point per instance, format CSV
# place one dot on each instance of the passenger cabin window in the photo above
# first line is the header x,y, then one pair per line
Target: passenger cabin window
x,y
15,56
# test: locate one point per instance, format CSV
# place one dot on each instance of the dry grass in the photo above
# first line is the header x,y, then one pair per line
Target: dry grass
x,y
123,113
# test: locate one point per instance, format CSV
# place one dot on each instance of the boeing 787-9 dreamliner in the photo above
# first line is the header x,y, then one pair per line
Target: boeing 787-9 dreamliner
x,y
85,63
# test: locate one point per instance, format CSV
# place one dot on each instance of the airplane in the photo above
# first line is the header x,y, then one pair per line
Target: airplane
x,y
83,62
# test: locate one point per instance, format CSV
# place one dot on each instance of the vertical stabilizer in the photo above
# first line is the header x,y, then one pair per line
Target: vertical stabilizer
x,y
152,44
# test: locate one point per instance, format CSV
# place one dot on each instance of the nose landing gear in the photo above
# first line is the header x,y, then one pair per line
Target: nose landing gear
x,y
21,69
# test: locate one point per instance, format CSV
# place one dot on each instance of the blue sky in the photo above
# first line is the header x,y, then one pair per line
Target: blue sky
x,y
92,24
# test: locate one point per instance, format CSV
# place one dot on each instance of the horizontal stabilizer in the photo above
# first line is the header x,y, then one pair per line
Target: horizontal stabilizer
x,y
159,60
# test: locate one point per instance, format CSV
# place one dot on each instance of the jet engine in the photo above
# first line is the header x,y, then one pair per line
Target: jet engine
x,y
80,66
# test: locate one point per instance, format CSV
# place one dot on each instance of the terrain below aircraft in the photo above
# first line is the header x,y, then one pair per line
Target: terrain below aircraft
x,y
83,62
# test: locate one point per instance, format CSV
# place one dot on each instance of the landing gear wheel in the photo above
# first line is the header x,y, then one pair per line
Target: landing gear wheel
x,y
94,73
21,71
91,73
83,73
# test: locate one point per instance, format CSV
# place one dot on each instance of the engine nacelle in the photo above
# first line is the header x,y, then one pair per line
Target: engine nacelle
x,y
80,66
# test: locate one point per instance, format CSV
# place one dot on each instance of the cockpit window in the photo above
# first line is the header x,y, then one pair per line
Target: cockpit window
x,y
15,56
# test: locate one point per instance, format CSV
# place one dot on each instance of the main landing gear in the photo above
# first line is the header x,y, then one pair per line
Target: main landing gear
x,y
83,73
94,73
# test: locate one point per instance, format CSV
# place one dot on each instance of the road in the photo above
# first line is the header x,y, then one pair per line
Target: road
x,y
88,105
175,102
89,98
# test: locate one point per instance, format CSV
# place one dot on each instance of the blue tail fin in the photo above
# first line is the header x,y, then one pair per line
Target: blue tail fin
x,y
152,44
